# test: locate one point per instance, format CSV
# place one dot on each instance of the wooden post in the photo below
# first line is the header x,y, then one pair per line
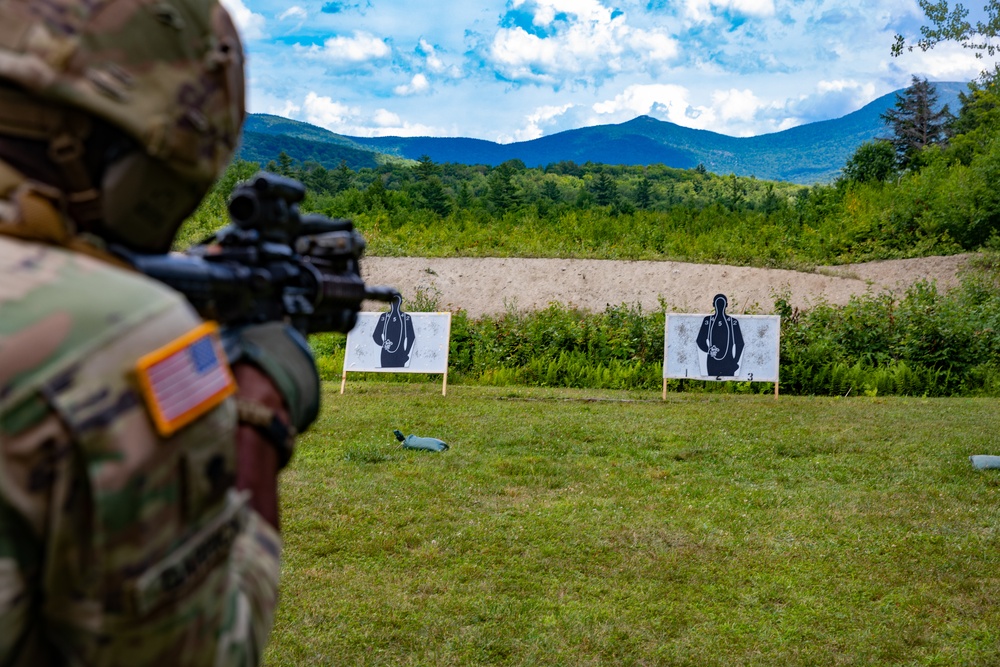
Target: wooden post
x,y
343,381
777,361
664,388
444,384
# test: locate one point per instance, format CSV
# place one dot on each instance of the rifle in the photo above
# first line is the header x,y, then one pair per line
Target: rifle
x,y
271,263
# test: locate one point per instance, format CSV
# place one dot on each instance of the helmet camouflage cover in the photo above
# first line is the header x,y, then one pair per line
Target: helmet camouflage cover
x,y
168,73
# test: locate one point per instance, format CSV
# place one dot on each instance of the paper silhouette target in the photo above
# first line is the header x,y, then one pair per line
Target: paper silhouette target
x,y
398,342
720,346
395,335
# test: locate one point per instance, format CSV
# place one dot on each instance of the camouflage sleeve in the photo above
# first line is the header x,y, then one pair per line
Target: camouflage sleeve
x,y
253,595
28,463
245,587
120,544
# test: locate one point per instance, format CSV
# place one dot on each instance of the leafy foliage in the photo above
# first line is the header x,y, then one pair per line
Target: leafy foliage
x,y
873,162
924,343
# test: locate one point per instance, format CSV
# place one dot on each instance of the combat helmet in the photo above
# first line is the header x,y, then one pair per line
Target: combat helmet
x,y
166,73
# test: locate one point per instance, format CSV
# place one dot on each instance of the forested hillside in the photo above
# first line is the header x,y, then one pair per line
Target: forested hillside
x,y
807,154
899,198
945,202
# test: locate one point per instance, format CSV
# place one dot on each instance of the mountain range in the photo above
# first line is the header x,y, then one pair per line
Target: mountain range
x,y
807,154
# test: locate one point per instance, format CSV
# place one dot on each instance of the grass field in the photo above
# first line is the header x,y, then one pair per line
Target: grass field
x,y
600,528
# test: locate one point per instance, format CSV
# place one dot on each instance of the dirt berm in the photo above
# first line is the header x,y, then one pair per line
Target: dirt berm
x,y
492,285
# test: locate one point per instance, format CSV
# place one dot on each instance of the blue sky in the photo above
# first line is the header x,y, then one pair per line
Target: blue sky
x,y
513,70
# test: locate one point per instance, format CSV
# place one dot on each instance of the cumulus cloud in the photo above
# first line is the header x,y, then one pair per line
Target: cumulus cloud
x,y
418,84
323,111
536,123
706,10
736,112
361,47
250,25
663,101
946,62
568,40
434,62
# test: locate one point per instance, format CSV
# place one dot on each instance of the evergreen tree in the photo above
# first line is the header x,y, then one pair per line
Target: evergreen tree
x,y
916,122
341,177
550,191
464,198
318,180
285,164
426,168
644,193
605,190
502,192
736,192
432,196
376,196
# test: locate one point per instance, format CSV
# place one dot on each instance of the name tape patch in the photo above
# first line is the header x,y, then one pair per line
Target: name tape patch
x,y
185,378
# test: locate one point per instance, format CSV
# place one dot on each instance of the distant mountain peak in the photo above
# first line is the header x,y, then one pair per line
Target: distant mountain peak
x,y
806,154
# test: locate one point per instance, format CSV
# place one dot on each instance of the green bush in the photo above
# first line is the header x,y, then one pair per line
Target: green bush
x,y
923,344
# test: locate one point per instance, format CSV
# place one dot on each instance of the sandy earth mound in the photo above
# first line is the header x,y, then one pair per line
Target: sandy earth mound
x,y
484,286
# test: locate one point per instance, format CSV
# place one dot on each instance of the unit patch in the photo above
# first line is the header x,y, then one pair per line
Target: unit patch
x,y
185,378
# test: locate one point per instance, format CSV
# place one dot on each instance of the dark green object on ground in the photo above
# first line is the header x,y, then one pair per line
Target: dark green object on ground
x,y
416,442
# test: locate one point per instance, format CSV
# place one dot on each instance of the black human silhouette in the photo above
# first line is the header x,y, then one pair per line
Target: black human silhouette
x,y
721,338
394,334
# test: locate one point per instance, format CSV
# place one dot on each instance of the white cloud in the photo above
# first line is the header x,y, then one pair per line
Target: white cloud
x,y
735,105
250,25
536,121
435,63
588,44
664,101
323,111
585,10
295,12
354,121
359,48
385,118
702,10
418,84
946,62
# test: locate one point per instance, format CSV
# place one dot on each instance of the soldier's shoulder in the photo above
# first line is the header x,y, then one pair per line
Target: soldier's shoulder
x,y
56,307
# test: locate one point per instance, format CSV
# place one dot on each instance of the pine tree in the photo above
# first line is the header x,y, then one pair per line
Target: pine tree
x,y
644,193
433,196
502,192
285,164
605,190
916,122
464,197
550,191
341,177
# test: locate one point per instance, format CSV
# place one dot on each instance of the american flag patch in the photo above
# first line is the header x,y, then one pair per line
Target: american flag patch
x,y
185,378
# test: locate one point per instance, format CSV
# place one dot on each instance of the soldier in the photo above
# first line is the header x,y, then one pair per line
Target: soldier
x,y
138,503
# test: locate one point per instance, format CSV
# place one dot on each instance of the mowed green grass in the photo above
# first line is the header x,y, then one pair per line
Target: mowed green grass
x,y
602,528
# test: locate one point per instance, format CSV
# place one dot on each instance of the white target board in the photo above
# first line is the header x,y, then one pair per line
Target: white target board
x,y
722,347
398,342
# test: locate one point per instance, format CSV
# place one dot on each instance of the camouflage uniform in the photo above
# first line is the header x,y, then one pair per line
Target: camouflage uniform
x,y
119,544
